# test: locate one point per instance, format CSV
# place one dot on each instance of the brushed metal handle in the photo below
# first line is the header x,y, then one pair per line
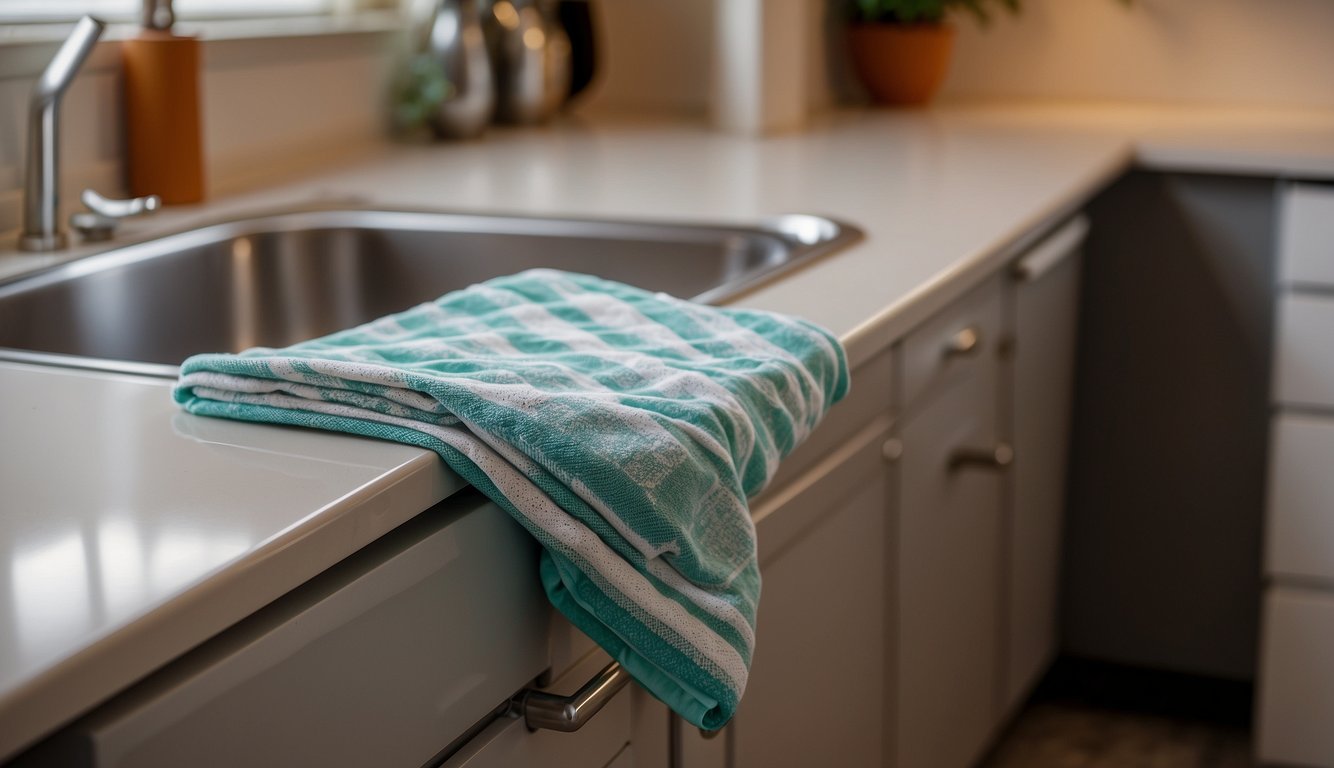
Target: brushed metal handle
x,y
998,457
1053,250
99,221
119,209
964,343
542,710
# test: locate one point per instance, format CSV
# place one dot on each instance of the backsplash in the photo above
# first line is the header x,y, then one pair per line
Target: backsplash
x,y
271,107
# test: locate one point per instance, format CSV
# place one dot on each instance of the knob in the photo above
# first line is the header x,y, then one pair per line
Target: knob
x,y
964,343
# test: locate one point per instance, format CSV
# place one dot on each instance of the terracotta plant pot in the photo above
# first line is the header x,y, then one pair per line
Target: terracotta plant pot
x,y
901,64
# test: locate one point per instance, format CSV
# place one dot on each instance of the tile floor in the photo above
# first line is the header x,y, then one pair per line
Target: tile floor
x,y
1088,715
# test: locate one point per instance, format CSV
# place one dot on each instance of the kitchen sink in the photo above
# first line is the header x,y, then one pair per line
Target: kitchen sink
x,y
278,279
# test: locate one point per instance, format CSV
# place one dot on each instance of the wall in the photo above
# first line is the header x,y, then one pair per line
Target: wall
x,y
657,55
1270,52
1274,52
271,111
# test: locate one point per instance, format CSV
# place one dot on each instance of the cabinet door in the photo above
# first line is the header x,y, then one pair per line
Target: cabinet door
x,y
948,580
1295,698
816,693
1044,322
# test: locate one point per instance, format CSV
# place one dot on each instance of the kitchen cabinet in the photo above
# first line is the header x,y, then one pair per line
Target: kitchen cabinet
x,y
817,688
910,581
1043,318
948,550
981,499
1295,691
403,654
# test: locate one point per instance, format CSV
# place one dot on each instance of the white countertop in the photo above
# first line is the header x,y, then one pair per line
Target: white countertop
x,y
133,531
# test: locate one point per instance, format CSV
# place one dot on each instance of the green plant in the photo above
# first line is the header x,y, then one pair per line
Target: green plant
x,y
418,90
926,11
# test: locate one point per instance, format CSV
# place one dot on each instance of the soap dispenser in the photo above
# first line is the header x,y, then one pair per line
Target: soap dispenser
x,y
161,72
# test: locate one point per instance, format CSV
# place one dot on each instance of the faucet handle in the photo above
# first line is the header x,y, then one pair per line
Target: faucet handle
x,y
103,214
120,209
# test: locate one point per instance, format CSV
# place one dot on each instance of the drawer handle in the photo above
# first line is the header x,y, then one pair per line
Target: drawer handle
x,y
1053,250
998,458
542,710
964,343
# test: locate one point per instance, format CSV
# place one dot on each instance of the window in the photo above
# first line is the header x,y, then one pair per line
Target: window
x,y
128,10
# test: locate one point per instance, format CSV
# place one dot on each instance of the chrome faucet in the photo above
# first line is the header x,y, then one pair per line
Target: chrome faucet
x,y
41,189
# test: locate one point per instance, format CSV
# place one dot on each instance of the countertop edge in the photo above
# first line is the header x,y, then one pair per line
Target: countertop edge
x,y
882,330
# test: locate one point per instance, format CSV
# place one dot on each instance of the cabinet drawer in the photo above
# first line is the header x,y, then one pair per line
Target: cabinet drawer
x,y
1296,686
1300,539
1306,235
1304,367
383,660
953,344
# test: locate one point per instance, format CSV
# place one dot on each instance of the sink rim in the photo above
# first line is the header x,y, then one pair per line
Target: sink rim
x,y
809,237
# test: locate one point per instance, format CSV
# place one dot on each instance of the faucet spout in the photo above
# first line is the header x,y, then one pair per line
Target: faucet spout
x,y
41,190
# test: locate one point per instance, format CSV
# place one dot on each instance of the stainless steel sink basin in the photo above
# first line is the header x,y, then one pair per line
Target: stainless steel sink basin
x,y
276,280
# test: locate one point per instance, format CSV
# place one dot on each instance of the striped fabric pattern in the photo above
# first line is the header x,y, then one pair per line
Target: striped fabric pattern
x,y
623,429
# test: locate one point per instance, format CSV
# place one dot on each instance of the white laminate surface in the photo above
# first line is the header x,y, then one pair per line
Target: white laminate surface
x,y
132,532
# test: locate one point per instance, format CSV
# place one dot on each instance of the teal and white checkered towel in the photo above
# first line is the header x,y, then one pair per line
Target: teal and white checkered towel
x,y
623,429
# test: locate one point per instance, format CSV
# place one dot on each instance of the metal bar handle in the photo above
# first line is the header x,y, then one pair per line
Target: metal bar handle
x,y
998,457
1052,251
542,710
